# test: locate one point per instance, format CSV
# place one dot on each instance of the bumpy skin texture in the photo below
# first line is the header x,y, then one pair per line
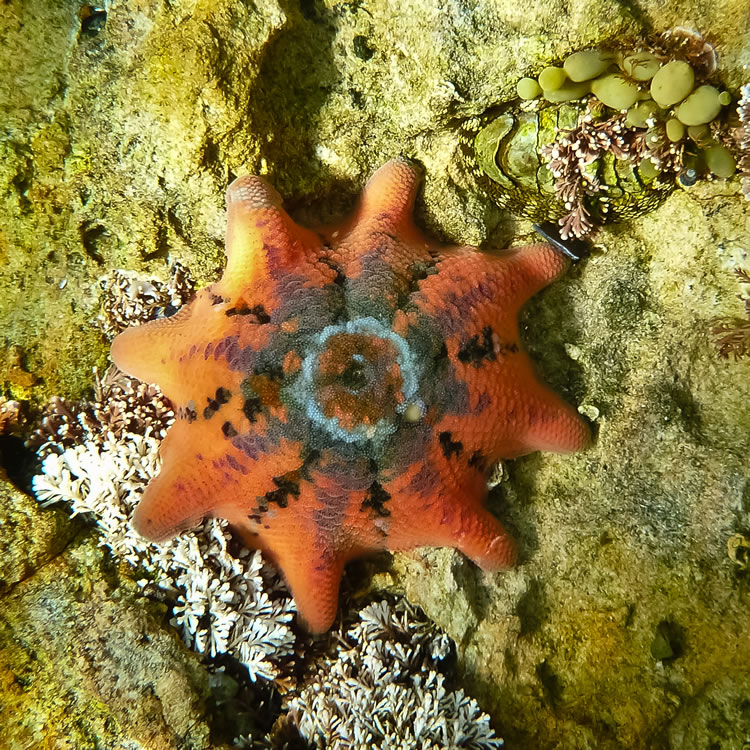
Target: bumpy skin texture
x,y
347,390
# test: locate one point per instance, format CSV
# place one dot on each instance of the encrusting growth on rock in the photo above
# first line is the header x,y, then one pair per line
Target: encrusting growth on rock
x,y
347,390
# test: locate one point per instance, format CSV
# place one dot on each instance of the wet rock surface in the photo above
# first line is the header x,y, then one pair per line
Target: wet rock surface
x,y
626,623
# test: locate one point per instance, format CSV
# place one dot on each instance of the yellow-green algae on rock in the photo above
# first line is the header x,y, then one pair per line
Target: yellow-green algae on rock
x,y
30,537
609,136
104,164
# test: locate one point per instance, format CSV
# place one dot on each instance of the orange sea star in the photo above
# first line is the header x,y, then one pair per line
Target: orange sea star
x,y
345,390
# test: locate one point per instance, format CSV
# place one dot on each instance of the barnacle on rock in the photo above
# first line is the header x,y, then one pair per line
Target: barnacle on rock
x,y
738,549
606,136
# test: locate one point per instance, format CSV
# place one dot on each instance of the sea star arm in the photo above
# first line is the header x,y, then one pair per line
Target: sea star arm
x,y
515,415
186,354
263,245
313,572
475,532
386,206
314,582
206,473
472,289
310,548
447,511
379,250
266,253
510,412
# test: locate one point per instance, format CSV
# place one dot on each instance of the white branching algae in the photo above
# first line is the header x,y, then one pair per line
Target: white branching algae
x,y
384,689
129,299
222,603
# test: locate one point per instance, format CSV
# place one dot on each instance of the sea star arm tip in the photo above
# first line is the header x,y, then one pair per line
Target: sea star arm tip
x,y
313,575
262,240
484,540
159,517
389,195
143,351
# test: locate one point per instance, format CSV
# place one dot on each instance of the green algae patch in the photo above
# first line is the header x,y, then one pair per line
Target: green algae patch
x,y
672,83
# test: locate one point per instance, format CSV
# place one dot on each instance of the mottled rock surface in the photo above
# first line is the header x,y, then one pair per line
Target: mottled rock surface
x,y
30,537
626,624
84,660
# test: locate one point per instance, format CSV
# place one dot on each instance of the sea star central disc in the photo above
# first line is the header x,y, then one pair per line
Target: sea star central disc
x,y
357,378
347,390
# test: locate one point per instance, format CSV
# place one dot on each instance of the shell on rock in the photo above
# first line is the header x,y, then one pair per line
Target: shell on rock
x,y
504,151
